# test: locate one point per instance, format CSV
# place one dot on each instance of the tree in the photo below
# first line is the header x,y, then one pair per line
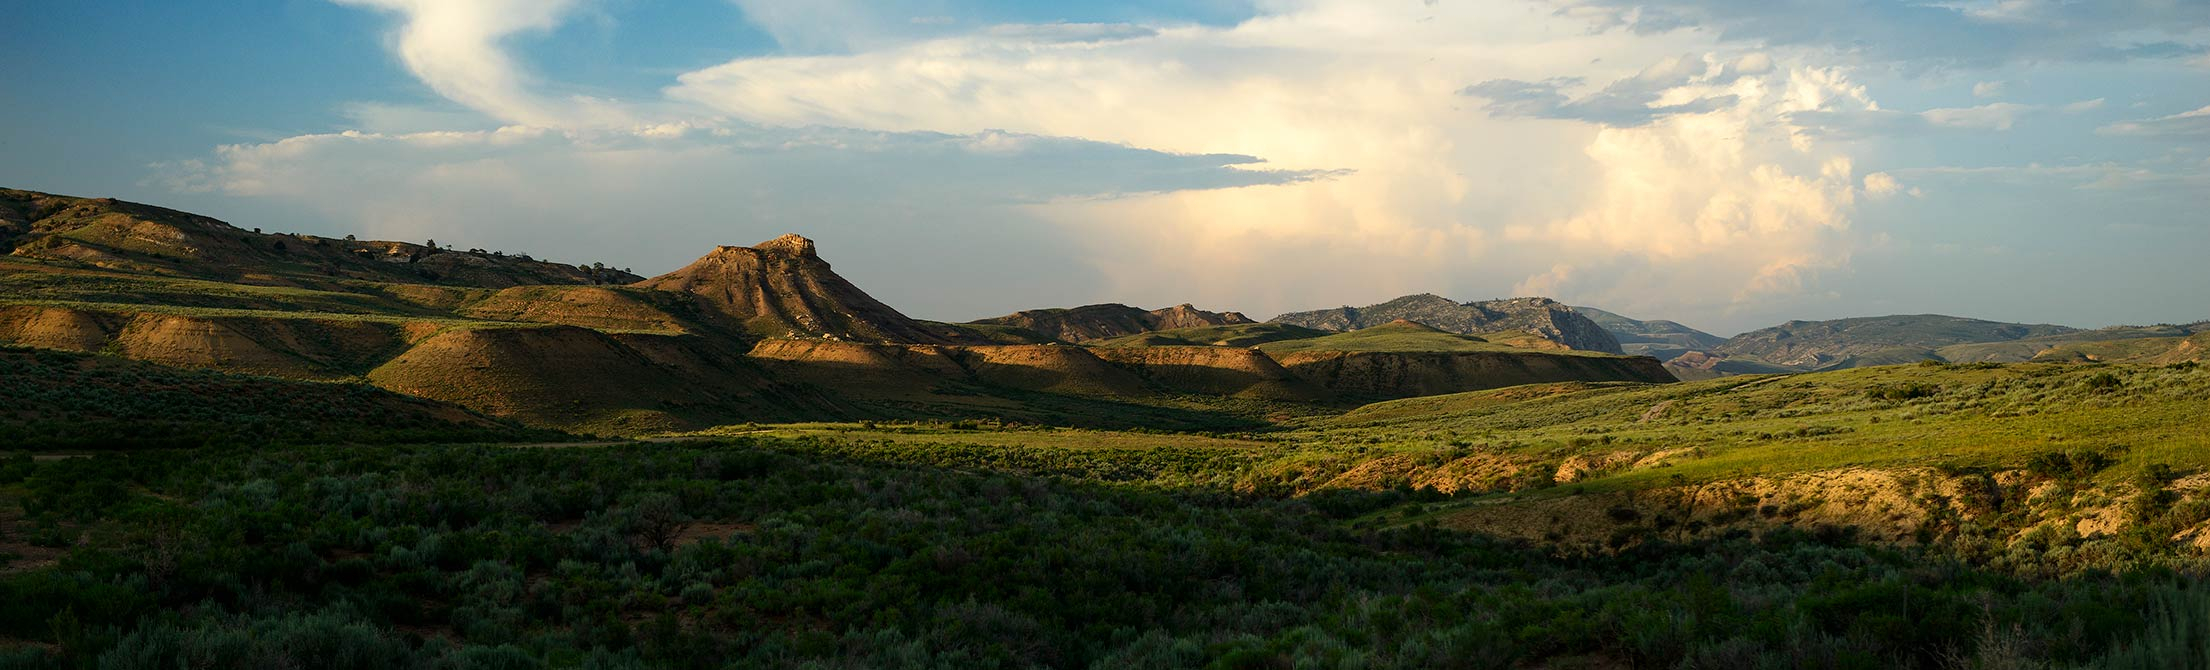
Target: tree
x,y
658,520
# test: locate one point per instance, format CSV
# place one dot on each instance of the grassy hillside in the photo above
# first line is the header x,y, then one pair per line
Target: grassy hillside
x,y
58,400
2018,351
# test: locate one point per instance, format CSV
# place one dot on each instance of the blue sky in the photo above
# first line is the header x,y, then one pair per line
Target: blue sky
x,y
1727,163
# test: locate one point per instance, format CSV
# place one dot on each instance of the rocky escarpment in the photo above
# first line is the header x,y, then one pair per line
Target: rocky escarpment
x,y
1098,322
1549,319
782,288
1381,375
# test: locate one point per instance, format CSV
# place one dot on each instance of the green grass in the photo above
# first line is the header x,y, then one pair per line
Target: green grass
x,y
1971,416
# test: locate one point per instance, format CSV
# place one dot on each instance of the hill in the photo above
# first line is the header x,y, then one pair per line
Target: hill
x,y
1662,339
1100,322
2153,350
60,400
2016,351
1408,336
116,235
782,288
1695,365
1872,340
1238,335
1547,318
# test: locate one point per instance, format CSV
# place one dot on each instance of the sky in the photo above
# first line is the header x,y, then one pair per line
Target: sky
x,y
1730,164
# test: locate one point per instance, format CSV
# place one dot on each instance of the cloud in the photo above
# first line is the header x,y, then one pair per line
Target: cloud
x,y
1683,167
1632,101
1919,35
1872,122
454,47
1324,152
1989,89
1992,116
2084,106
1881,185
2185,125
887,206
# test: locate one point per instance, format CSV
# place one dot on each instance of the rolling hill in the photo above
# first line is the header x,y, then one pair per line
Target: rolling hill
x,y
1872,340
1544,317
1662,339
111,234
1102,322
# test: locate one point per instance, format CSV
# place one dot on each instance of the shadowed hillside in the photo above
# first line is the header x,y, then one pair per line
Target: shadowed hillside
x,y
59,400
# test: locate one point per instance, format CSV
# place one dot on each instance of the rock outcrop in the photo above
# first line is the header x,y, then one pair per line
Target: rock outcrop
x,y
782,288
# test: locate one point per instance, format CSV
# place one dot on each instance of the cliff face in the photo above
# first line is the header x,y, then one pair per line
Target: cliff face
x,y
1381,375
781,288
1546,318
1098,322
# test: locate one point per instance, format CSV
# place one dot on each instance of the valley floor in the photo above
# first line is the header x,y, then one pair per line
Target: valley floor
x,y
1935,516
